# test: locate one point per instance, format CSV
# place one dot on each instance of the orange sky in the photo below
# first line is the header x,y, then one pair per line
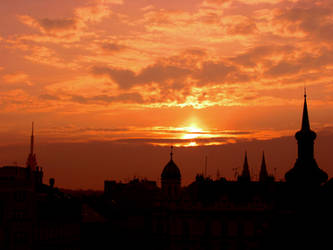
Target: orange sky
x,y
157,72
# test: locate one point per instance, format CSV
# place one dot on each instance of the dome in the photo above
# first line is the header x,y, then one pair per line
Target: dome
x,y
171,171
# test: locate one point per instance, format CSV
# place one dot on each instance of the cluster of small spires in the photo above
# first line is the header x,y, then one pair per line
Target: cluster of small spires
x,y
245,176
263,175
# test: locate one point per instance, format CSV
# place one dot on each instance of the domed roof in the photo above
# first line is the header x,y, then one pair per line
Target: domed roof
x,y
171,171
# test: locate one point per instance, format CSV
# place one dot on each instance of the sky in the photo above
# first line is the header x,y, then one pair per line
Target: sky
x,y
112,84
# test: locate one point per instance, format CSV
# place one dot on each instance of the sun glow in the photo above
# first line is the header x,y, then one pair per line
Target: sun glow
x,y
192,132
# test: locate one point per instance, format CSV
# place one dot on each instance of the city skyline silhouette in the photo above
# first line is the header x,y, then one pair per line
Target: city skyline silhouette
x,y
242,213
101,77
226,159
166,125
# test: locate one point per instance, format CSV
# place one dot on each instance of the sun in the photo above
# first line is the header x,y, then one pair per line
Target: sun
x,y
192,132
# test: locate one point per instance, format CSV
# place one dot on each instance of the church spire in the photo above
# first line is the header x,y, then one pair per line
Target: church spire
x,y
306,170
245,176
263,176
305,118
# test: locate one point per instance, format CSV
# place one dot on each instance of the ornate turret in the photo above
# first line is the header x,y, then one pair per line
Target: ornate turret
x,y
306,170
171,179
245,176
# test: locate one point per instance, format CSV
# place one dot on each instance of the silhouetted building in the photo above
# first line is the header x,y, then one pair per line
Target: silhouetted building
x,y
171,180
245,213
306,171
33,215
241,214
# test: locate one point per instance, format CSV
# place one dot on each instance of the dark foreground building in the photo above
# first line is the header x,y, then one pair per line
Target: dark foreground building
x,y
34,215
207,214
222,214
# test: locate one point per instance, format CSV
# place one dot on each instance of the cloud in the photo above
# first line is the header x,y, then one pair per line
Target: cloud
x,y
315,20
107,99
214,72
74,25
14,78
157,73
93,13
241,25
172,141
283,68
247,2
124,78
119,2
113,47
57,24
46,55
49,97
262,54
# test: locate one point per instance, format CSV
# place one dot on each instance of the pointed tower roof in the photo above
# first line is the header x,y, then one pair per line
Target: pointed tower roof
x,y
245,176
263,176
305,118
305,131
171,170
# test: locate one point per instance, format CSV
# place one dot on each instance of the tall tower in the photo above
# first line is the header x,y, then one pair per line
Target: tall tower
x,y
31,161
306,170
245,176
171,179
35,171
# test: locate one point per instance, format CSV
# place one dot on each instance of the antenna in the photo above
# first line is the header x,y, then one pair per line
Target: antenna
x,y
32,139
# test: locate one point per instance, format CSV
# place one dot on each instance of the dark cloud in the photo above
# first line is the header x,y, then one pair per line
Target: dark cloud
x,y
304,63
262,54
283,68
214,72
175,141
220,132
124,98
243,28
104,130
310,17
113,47
123,77
57,24
121,98
49,97
158,73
